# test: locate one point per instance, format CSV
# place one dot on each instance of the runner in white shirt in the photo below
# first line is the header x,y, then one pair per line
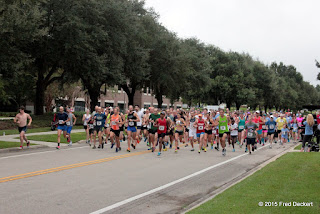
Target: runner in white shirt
x,y
139,124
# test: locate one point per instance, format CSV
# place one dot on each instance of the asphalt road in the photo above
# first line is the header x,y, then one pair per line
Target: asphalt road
x,y
83,180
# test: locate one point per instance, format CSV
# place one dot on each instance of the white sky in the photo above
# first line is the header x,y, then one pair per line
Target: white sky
x,y
269,30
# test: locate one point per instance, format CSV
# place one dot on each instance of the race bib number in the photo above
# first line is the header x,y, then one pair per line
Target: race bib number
x,y
250,134
223,128
241,127
283,133
200,127
68,123
161,128
99,123
60,122
271,127
131,123
281,121
113,123
107,125
90,126
94,123
299,124
264,127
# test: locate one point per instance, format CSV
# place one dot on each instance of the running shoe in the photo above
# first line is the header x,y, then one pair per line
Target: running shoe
x,y
138,141
21,147
246,149
99,146
217,148
199,151
270,147
176,150
223,152
148,144
165,149
94,147
153,149
68,139
253,148
202,148
133,146
205,150
233,150
163,146
249,153
240,146
263,144
178,147
128,150
159,153
186,145
117,149
58,147
112,145
28,144
149,148
170,146
192,150
70,144
102,145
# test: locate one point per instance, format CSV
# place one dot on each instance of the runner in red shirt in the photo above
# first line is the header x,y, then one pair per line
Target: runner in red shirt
x,y
162,125
200,124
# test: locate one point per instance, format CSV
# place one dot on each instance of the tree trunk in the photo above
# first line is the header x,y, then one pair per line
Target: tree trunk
x,y
159,100
229,105
94,96
39,99
129,93
238,105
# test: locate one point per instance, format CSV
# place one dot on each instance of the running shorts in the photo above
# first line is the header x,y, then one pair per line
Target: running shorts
x,y
22,129
131,129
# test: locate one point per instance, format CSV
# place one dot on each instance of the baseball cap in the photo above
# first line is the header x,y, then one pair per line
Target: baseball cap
x,y
258,112
162,112
200,115
271,116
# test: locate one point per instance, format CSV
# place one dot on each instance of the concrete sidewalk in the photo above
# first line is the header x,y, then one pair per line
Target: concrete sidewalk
x,y
11,138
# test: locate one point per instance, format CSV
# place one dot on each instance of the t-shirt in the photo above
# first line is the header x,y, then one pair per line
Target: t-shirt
x,y
271,126
281,122
309,129
251,127
154,117
258,120
100,119
284,132
61,118
70,123
234,132
140,115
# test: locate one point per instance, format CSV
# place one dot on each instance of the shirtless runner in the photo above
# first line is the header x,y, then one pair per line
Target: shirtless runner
x,y
21,119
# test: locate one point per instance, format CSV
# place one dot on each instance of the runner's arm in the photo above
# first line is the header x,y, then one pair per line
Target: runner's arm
x,y
74,119
138,118
30,119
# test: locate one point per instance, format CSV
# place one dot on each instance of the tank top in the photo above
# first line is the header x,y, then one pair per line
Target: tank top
x,y
192,121
86,119
242,123
114,120
200,127
223,125
70,122
162,128
132,117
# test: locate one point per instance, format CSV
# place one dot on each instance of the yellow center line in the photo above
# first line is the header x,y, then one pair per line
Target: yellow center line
x,y
71,166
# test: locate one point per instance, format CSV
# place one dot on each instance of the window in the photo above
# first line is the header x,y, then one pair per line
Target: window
x,y
146,106
79,106
108,104
121,106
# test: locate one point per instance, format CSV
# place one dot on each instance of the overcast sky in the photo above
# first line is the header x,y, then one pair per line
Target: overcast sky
x,y
269,30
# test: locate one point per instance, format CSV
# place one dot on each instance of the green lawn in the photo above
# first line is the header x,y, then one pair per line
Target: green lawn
x,y
298,147
4,144
293,177
53,137
32,130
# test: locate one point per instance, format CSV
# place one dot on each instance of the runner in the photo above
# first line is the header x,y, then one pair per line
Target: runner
x,y
208,130
200,124
132,120
222,121
271,125
145,126
179,128
251,128
257,119
170,135
91,130
284,134
162,123
153,130
192,129
280,122
116,121
139,124
264,129
86,118
308,133
241,125
99,119
299,120
107,124
70,124
62,127
234,133
21,119
295,127
186,128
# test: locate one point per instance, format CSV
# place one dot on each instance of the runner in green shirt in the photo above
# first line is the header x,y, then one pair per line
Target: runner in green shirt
x,y
153,130
222,121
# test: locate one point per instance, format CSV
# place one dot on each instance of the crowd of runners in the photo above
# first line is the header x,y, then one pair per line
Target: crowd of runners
x,y
198,129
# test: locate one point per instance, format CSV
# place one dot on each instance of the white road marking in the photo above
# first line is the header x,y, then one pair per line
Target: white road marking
x,y
36,153
121,203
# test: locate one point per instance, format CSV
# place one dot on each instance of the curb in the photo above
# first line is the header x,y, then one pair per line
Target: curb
x,y
16,149
233,182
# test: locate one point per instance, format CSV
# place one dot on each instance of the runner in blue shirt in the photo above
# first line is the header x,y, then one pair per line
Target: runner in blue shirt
x,y
271,125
